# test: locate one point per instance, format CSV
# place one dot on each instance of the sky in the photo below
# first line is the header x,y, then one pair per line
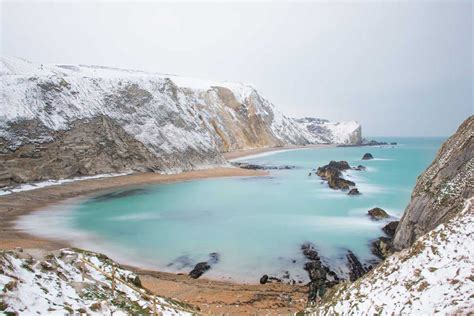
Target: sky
x,y
400,68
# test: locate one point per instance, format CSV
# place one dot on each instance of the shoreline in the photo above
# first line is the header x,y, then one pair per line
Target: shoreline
x,y
207,294
258,151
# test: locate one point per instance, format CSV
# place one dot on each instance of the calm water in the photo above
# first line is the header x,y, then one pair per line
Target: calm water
x,y
256,224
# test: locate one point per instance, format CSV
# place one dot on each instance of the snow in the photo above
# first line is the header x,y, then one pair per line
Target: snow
x,y
52,283
433,277
324,131
47,183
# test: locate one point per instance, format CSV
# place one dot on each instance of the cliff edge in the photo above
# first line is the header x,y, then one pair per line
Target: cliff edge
x,y
441,190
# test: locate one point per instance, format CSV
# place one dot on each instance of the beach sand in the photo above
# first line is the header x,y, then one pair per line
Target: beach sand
x,y
209,295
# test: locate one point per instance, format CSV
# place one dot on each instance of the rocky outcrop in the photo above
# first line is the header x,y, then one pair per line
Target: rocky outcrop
x,y
202,267
356,269
441,190
332,173
377,213
353,191
251,166
367,156
390,228
324,131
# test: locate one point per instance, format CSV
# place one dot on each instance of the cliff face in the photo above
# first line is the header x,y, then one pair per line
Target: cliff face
x,y
347,133
441,190
433,274
59,121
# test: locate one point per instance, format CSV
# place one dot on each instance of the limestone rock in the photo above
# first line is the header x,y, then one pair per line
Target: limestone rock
x,y
441,190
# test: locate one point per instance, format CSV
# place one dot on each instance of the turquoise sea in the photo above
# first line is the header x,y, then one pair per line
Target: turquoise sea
x,y
256,224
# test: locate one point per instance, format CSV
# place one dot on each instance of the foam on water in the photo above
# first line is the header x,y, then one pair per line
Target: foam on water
x,y
256,224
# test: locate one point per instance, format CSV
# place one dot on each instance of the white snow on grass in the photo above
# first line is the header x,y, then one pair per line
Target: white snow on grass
x,y
434,276
68,282
47,183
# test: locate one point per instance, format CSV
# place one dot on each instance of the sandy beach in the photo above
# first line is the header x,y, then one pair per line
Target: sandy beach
x,y
208,295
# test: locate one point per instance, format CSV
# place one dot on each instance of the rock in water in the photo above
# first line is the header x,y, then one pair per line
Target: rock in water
x,y
441,190
354,191
390,228
382,247
332,174
360,168
199,270
377,213
264,279
356,270
367,156
309,251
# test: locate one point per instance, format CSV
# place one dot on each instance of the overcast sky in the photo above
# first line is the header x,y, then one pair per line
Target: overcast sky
x,y
399,68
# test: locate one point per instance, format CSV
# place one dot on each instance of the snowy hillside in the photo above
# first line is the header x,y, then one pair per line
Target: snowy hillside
x,y
170,123
434,276
325,131
71,282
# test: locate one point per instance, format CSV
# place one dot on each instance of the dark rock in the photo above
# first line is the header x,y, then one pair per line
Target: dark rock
x,y
264,279
367,156
354,191
390,228
340,183
393,143
377,213
360,168
375,143
332,174
356,270
382,247
309,251
199,270
274,279
245,165
286,275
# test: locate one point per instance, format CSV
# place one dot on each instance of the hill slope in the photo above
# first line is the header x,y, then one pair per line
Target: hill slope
x,y
60,121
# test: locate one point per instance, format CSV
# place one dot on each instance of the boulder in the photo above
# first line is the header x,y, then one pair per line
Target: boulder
x,y
367,156
199,269
354,191
356,270
309,251
377,213
360,168
382,247
390,228
340,183
393,143
264,279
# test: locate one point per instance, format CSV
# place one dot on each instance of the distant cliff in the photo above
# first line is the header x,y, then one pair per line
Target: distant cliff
x,y
344,133
58,121
441,190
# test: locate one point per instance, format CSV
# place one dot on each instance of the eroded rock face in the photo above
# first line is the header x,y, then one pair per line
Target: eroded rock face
x,y
441,190
91,146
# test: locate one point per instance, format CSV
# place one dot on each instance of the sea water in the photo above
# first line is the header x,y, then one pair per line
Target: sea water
x,y
256,224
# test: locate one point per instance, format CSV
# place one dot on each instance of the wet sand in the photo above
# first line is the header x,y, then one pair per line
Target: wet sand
x,y
208,295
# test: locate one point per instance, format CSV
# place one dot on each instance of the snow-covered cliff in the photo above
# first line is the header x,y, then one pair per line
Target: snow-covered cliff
x,y
60,121
324,131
